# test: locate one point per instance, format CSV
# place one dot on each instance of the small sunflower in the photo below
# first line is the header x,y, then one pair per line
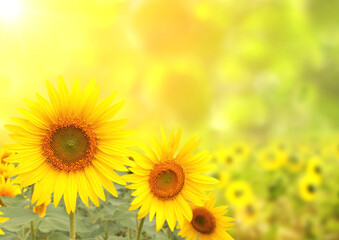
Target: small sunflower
x,y
70,145
314,168
272,159
239,193
248,213
208,222
227,157
308,187
294,162
167,179
41,209
2,219
241,150
7,188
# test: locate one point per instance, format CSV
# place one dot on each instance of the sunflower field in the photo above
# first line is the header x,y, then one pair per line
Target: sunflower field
x,y
169,120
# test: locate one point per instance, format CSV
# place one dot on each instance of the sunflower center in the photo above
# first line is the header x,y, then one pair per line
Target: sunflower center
x,y
70,145
229,159
167,180
311,188
238,193
203,220
317,169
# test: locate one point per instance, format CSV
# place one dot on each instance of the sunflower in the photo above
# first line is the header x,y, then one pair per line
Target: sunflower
x,y
6,169
41,209
7,188
167,179
294,162
308,187
227,157
314,168
2,219
70,145
208,222
239,193
272,158
241,150
248,214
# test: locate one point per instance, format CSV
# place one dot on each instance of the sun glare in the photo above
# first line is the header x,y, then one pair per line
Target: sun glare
x,y
9,9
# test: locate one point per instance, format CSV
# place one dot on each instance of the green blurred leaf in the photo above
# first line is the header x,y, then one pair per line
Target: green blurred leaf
x,y
58,236
17,216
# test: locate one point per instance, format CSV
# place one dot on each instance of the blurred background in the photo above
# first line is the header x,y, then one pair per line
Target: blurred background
x,y
257,80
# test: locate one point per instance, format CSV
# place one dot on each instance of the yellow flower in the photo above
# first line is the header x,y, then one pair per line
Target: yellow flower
x,y
314,168
70,145
228,157
241,150
41,209
208,222
239,193
167,178
4,154
2,219
272,159
6,169
8,189
294,162
248,213
308,187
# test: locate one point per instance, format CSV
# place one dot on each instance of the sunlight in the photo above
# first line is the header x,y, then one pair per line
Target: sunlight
x,y
9,9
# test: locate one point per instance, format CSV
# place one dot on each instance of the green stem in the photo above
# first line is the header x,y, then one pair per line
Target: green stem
x,y
32,231
32,223
72,225
140,228
106,229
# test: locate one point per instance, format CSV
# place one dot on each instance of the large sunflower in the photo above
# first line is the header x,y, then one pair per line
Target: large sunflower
x,y
70,145
208,222
167,179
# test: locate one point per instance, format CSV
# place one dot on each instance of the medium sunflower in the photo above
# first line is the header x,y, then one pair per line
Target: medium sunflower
x,y
167,179
70,145
208,222
6,169
2,219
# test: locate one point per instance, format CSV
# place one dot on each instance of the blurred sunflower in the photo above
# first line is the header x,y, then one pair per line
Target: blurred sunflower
x,y
239,193
2,219
70,145
208,222
308,187
7,188
314,168
248,213
167,179
272,159
41,209
227,157
241,150
294,162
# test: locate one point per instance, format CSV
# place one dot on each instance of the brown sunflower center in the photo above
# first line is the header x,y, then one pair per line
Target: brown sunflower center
x,y
203,220
167,180
70,144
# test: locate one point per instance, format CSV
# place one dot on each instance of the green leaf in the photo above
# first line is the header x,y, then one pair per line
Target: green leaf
x,y
17,216
58,236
